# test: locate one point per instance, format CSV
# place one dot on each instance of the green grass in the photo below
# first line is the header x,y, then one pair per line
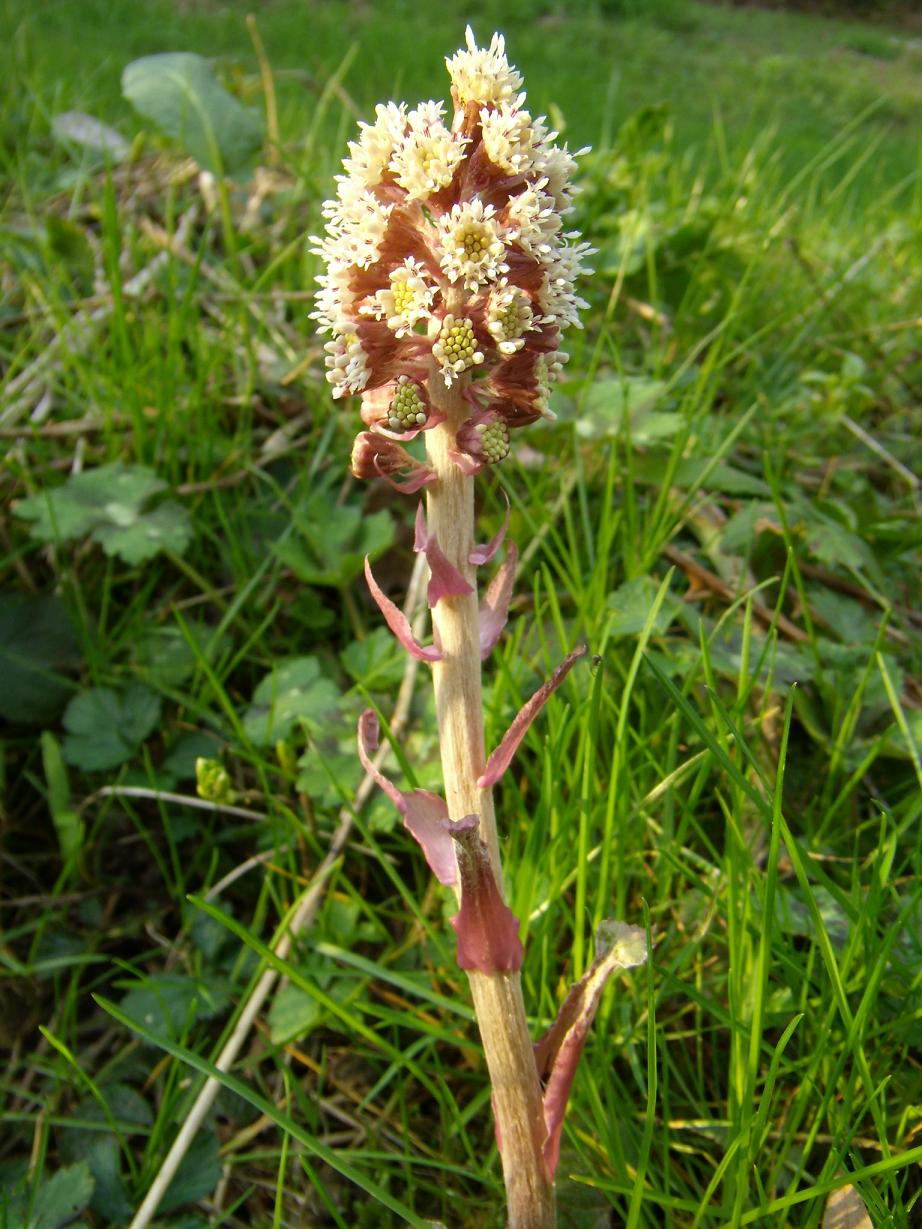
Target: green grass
x,y
741,769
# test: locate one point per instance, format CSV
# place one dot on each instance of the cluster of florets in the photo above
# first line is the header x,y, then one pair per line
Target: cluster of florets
x,y
447,260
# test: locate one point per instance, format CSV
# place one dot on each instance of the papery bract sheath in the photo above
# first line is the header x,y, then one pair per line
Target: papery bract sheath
x,y
375,455
558,1051
487,929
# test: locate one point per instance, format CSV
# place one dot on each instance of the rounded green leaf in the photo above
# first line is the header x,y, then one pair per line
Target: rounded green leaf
x,y
179,92
104,728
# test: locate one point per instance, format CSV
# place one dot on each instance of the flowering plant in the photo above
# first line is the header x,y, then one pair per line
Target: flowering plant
x,y
449,279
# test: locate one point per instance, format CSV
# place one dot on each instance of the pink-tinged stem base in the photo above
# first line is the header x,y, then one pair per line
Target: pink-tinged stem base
x,y
497,997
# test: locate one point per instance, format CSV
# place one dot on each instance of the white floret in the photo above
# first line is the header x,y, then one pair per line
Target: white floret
x,y
405,301
429,153
472,249
483,75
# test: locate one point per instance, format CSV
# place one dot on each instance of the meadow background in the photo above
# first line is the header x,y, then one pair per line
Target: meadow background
x,y
726,510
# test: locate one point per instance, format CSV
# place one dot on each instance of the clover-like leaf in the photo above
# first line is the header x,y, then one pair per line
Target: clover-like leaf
x,y
293,692
168,655
602,413
197,1176
294,1013
104,728
60,1199
168,1003
632,602
110,504
181,94
376,661
166,527
88,1141
330,543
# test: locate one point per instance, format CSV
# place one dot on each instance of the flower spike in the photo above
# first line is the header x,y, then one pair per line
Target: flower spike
x,y
449,278
501,758
446,244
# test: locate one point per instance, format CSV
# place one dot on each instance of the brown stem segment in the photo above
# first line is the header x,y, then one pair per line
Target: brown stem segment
x,y
497,997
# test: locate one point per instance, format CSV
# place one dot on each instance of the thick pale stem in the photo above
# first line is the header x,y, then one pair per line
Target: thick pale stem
x,y
498,997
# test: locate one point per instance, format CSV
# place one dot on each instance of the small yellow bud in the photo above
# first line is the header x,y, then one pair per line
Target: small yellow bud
x,y
212,781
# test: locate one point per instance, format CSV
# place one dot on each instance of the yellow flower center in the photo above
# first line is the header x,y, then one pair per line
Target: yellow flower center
x,y
458,342
474,241
404,297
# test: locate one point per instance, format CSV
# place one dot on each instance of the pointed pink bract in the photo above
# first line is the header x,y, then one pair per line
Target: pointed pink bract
x,y
494,609
501,758
422,477
466,464
483,553
397,621
444,578
424,814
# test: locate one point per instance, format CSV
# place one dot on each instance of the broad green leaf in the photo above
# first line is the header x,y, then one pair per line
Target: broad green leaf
x,y
169,655
180,93
62,1197
168,1003
295,691
186,750
112,494
632,603
67,243
208,935
128,1112
602,412
328,769
795,917
293,1014
832,543
104,728
110,1194
377,661
166,527
37,644
741,530
108,504
197,1176
330,543
894,742
700,471
782,665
